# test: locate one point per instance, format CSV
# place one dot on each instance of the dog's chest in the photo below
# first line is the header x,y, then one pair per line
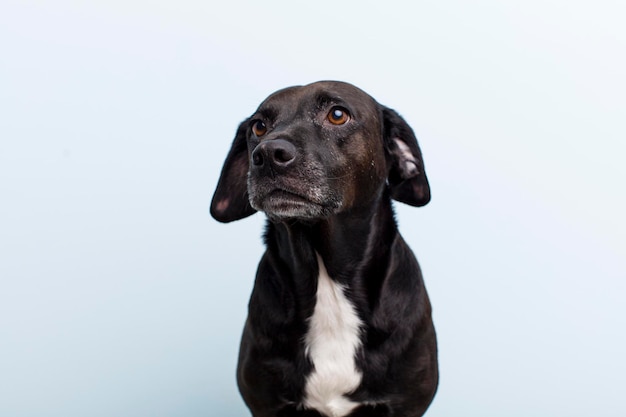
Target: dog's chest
x,y
332,341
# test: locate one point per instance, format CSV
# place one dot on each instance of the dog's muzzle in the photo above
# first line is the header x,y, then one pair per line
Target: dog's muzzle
x,y
285,185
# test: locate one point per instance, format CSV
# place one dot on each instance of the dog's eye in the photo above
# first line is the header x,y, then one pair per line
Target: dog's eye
x,y
259,128
338,116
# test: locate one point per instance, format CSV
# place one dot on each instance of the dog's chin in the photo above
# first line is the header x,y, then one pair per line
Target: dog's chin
x,y
280,205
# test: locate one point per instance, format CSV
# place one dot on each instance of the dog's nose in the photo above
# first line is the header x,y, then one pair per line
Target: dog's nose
x,y
277,153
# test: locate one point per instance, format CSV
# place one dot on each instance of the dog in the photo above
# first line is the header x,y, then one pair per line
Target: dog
x,y
339,322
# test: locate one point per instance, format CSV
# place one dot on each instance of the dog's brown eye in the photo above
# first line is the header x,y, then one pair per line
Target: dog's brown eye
x,y
338,116
259,128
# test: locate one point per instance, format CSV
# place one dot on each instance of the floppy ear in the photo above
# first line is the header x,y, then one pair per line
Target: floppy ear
x,y
230,201
407,178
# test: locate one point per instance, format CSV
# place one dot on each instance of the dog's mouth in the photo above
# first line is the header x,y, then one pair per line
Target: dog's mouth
x,y
282,203
279,195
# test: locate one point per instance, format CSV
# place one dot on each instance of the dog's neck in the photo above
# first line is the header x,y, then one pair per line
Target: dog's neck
x,y
352,245
350,242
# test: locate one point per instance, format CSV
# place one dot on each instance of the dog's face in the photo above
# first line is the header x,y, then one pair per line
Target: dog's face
x,y
313,151
312,148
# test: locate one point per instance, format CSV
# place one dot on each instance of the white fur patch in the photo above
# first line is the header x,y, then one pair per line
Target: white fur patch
x,y
407,160
331,343
405,151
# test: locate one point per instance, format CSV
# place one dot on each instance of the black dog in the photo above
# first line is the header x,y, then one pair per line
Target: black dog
x,y
339,321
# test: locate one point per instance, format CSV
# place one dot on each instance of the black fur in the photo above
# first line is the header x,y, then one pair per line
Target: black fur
x,y
327,189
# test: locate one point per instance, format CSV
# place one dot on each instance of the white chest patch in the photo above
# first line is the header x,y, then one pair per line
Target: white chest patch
x,y
331,344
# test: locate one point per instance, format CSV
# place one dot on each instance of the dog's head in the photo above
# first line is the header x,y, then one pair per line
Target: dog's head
x,y
313,151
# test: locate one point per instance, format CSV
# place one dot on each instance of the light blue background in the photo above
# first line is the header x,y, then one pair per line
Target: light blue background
x,y
120,296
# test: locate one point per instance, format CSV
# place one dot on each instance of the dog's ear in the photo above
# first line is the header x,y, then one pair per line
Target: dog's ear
x,y
230,201
407,177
